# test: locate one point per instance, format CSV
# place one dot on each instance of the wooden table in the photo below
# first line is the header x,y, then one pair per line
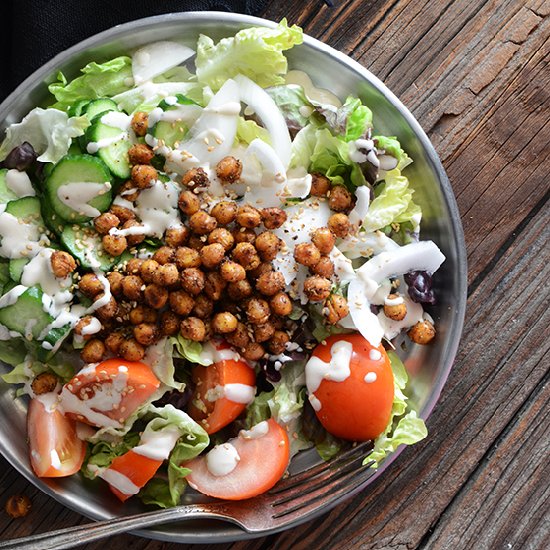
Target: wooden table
x,y
475,74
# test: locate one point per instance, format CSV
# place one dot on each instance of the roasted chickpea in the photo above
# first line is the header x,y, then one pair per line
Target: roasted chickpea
x,y
142,314
268,245
114,341
278,342
273,217
246,255
239,290
211,255
90,285
264,267
122,213
340,199
244,235
248,216
253,351
167,275
82,324
105,222
132,287
203,306
181,302
114,245
176,236
422,333
307,254
93,351
196,242
155,296
139,123
164,255
192,280
44,383
193,328
323,238
320,185
224,322
324,267
317,288
257,311
232,272
148,270
133,266
339,224
189,203
129,191
131,350
63,264
196,177
336,308
239,337
214,285
169,323
270,283
135,238
18,506
281,304
229,169
202,223
140,154
187,257
225,212
106,311
146,333
264,332
143,175
222,236
397,310
115,282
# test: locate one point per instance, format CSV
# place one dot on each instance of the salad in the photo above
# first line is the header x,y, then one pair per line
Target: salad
x,y
204,261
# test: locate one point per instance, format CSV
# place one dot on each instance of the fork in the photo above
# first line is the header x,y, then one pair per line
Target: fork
x,y
295,498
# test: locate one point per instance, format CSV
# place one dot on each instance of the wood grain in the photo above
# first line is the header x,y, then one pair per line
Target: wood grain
x,y
475,74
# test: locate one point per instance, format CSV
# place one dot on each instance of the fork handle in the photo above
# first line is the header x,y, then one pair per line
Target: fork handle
x,y
82,534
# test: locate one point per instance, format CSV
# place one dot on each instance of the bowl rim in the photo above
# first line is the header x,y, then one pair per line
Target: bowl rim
x,y
233,533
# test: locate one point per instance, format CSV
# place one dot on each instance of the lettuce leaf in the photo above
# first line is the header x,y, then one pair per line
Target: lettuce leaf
x,y
49,131
187,349
351,121
293,104
255,52
159,358
98,80
392,147
13,353
248,131
392,203
404,427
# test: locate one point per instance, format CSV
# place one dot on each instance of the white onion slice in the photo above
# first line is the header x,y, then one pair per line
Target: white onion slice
x,y
365,321
270,115
342,266
154,59
366,244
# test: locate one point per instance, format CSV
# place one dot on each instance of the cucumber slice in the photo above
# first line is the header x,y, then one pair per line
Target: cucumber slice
x,y
6,194
16,267
84,243
52,220
4,274
27,210
97,106
76,109
168,132
78,169
112,151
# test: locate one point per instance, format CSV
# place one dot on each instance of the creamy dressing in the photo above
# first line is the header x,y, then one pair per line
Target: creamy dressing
x,y
19,240
116,119
375,355
158,445
211,354
222,459
92,327
94,146
76,196
370,377
359,212
257,431
20,183
397,301
239,393
119,481
11,296
314,94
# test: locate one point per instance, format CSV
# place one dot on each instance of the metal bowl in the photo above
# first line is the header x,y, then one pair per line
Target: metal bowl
x,y
428,365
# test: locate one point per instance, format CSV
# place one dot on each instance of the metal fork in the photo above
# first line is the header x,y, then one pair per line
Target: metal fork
x,y
297,497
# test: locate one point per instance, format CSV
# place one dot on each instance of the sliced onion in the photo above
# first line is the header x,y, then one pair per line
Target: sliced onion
x,y
154,59
357,215
366,244
270,115
342,266
363,318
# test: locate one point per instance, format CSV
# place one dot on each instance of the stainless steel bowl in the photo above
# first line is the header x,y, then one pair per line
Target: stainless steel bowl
x,y
428,365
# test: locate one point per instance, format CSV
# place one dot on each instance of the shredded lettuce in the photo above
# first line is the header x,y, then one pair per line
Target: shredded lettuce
x,y
256,52
49,131
404,427
187,349
98,80
392,203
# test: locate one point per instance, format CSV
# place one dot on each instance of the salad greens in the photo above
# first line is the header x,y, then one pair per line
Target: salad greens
x,y
85,161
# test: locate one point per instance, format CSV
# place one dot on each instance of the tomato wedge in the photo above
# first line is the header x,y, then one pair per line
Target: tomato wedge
x,y
262,462
107,394
130,472
222,392
55,450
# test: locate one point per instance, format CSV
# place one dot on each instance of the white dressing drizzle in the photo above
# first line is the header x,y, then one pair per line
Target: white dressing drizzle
x,y
20,183
76,196
370,377
257,431
222,459
19,240
240,393
158,445
119,481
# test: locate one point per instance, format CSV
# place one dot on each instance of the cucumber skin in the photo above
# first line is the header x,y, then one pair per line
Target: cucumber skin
x,y
68,240
99,106
101,202
52,220
16,268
